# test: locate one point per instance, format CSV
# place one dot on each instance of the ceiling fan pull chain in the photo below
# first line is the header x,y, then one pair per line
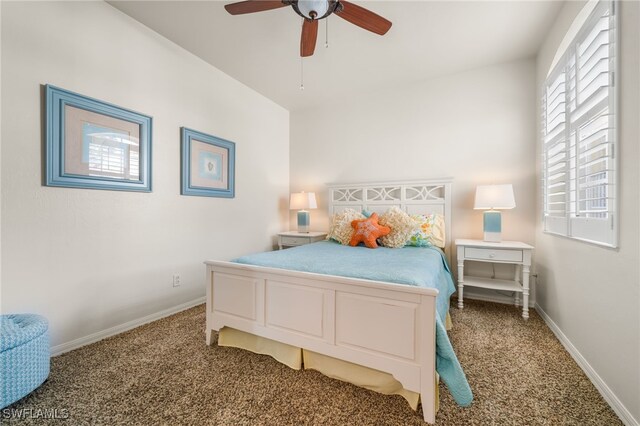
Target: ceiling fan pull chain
x,y
301,73
326,41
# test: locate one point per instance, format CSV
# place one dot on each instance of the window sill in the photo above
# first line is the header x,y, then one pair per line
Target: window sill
x,y
582,240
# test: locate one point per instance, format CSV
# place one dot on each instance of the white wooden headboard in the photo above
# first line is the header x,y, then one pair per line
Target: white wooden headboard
x,y
414,197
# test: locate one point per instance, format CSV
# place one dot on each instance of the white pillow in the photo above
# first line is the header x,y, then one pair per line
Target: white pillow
x,y
402,227
340,228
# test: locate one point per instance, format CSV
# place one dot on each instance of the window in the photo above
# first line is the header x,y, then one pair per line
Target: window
x,y
112,154
579,134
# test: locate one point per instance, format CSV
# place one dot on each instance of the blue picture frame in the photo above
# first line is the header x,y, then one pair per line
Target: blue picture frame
x,y
207,165
58,169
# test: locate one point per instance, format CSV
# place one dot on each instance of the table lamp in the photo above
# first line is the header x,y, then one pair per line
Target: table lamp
x,y
493,198
302,201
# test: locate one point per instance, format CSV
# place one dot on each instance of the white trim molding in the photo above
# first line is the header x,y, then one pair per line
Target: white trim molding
x,y
100,335
606,392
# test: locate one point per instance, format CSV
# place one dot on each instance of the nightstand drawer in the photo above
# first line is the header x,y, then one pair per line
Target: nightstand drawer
x,y
499,255
294,241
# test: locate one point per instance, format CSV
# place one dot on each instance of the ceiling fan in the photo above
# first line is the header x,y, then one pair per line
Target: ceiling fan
x,y
312,11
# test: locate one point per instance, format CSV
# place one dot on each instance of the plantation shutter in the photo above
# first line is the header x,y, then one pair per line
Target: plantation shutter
x,y
556,150
578,125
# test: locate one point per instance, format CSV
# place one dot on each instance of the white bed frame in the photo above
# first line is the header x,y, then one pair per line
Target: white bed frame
x,y
387,327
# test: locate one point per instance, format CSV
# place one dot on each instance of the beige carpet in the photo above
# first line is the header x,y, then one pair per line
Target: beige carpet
x,y
164,374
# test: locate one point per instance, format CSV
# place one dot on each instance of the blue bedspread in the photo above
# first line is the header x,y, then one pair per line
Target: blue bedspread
x,y
417,266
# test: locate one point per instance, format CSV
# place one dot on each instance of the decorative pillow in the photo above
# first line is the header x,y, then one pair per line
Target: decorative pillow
x,y
402,228
430,231
340,229
367,231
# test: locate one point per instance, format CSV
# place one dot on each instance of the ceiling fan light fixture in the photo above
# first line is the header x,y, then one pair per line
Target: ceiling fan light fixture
x,y
313,9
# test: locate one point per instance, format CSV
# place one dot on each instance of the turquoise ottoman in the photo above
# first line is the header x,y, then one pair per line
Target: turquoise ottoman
x,y
24,355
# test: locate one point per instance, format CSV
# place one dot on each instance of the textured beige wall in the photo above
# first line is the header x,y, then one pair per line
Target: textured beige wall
x,y
88,259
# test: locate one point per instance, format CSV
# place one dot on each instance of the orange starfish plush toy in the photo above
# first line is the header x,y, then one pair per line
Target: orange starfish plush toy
x,y
367,231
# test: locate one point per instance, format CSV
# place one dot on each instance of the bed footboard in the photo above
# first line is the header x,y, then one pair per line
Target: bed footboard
x,y
387,327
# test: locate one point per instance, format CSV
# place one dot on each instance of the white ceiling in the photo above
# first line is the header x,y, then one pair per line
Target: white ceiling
x,y
427,39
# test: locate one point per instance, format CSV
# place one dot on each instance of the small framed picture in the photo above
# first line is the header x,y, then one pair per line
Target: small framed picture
x,y
95,145
208,165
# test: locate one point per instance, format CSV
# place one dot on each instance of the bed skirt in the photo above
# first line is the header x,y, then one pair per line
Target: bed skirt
x,y
297,358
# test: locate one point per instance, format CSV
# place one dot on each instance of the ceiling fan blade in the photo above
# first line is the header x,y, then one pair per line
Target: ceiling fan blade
x,y
309,37
363,18
251,6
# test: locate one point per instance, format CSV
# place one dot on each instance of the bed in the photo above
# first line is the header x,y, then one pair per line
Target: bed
x,y
384,310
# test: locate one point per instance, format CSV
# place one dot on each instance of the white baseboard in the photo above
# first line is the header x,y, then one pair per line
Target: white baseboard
x,y
92,338
597,381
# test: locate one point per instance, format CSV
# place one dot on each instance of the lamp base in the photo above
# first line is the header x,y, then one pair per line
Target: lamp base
x,y
492,221
303,221
493,237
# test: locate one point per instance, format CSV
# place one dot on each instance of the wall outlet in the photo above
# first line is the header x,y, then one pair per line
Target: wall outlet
x,y
176,280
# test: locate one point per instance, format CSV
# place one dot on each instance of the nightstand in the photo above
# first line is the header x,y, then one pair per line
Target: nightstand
x,y
510,252
295,238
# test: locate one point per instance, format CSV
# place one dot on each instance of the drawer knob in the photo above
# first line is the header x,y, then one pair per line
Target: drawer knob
x,y
492,255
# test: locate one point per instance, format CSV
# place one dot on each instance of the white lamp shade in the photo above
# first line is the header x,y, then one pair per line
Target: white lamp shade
x,y
303,201
497,197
